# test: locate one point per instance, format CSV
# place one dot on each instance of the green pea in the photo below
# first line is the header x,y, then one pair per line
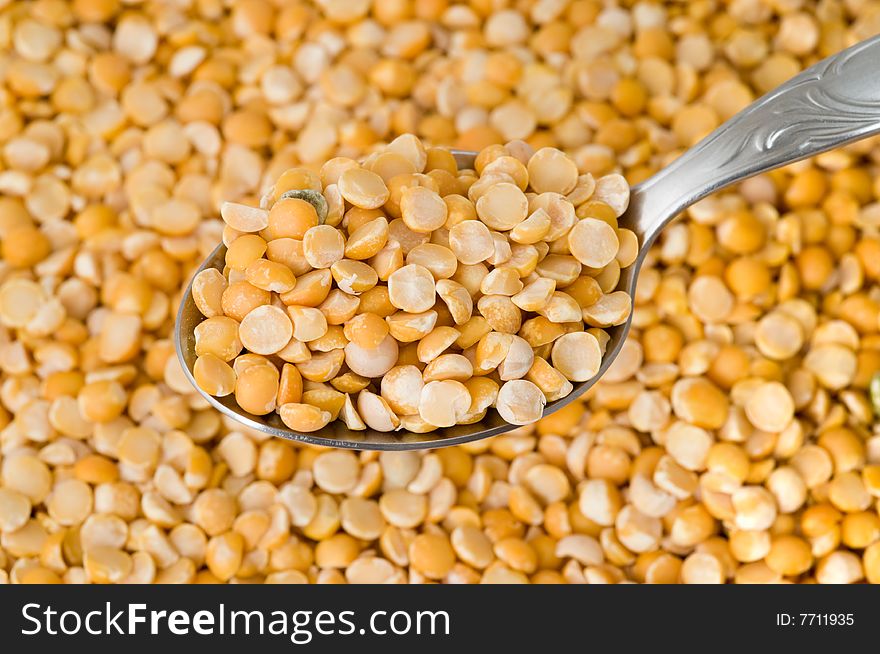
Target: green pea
x,y
313,198
875,394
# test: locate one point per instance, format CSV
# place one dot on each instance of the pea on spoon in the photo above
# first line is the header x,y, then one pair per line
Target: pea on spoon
x,y
830,104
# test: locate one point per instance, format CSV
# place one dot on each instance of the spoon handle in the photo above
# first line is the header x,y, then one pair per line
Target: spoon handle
x,y
832,103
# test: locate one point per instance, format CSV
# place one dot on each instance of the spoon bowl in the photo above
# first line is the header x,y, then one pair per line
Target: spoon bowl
x,y
336,434
833,103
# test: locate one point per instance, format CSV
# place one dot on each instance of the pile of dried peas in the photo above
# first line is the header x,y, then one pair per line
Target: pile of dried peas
x,y
457,305
734,439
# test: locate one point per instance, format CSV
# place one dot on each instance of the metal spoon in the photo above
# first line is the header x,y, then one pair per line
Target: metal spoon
x,y
834,102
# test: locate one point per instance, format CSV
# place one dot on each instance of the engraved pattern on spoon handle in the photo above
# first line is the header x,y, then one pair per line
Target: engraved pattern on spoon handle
x,y
832,103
